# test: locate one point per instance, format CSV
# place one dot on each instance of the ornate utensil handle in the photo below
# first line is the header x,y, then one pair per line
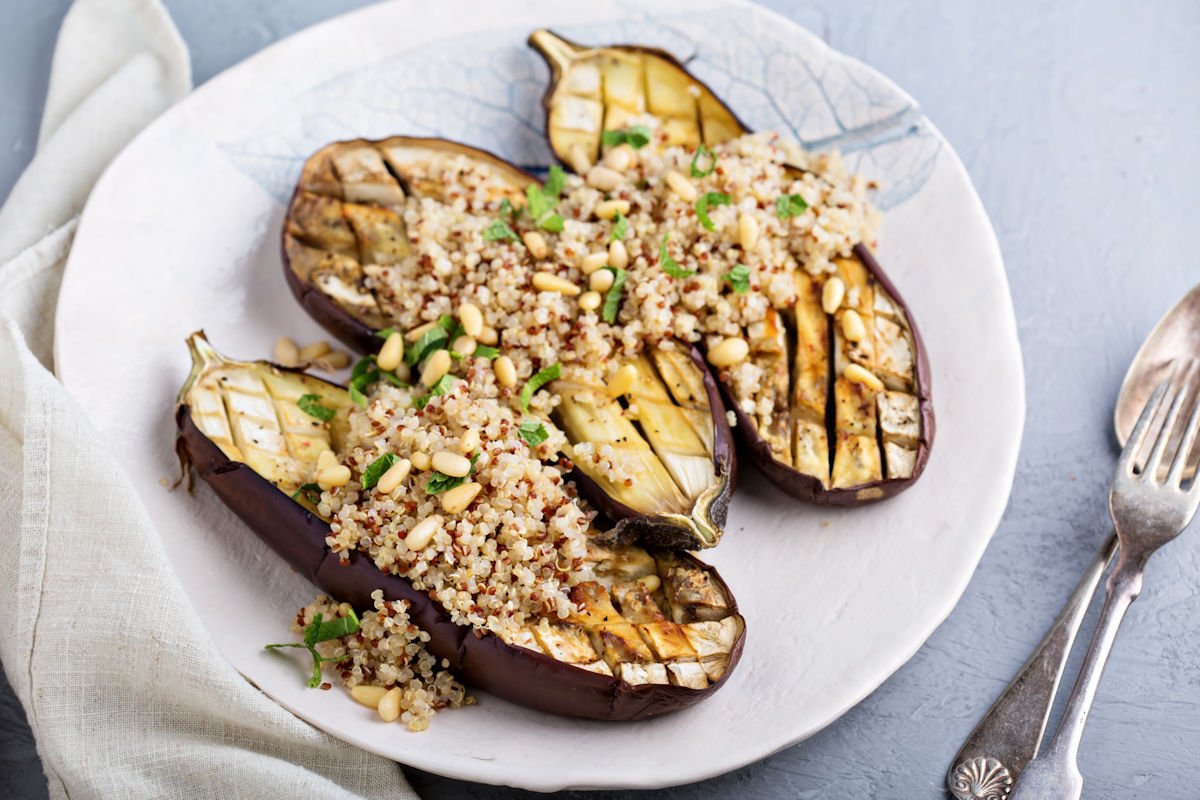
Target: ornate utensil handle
x,y
1009,734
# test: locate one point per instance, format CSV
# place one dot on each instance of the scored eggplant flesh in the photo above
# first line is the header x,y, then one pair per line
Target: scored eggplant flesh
x,y
646,625
597,89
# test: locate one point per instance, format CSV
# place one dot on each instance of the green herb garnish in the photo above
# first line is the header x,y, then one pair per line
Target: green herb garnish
x,y
670,265
532,432
375,470
320,631
385,333
612,298
311,404
507,210
440,388
436,338
555,181
709,200
620,228
441,482
789,205
696,170
540,204
636,136
363,375
308,491
739,277
485,351
539,379
499,231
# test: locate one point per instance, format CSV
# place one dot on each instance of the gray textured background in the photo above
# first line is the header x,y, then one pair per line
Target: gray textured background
x,y
1079,123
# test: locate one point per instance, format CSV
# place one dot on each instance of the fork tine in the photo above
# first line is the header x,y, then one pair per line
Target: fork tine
x,y
1179,463
1150,470
1134,445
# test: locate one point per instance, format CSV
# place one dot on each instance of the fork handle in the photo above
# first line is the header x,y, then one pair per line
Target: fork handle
x,y
1055,774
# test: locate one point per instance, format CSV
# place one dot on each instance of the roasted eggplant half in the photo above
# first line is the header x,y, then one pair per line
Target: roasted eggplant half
x,y
649,632
844,372
656,457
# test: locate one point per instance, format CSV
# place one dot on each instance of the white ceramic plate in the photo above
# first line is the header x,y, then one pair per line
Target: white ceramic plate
x,y
182,233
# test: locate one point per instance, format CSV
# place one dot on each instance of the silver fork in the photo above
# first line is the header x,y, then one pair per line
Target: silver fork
x,y
1147,513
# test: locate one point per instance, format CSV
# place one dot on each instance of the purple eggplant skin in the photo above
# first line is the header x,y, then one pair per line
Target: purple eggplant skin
x,y
629,526
807,487
482,660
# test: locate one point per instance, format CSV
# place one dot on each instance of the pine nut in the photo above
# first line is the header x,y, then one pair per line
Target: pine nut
x,y
590,301
549,282
469,441
506,371
392,353
419,331
345,609
338,359
618,256
832,294
852,326
422,533
421,461
620,158
456,500
394,476
747,231
488,336
610,208
729,352
333,477
314,351
389,705
578,158
536,244
287,354
603,178
403,372
452,464
652,582
601,280
436,367
622,380
368,696
859,374
464,345
326,460
681,186
593,261
471,318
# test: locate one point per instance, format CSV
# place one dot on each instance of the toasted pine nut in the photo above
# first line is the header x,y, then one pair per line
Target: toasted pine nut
x,y
423,532
681,186
652,582
578,158
859,374
471,318
368,696
421,461
325,460
852,326
601,280
488,336
506,371
314,351
464,345
593,261
452,464
392,353
403,372
618,256
419,331
287,354
456,500
590,301
610,208
338,359
622,381
549,282
436,366
394,476
345,609
333,477
536,244
620,158
832,294
729,352
747,231
604,179
469,441
388,706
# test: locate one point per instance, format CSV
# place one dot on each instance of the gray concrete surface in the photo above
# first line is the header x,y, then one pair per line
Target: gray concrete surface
x,y
1079,123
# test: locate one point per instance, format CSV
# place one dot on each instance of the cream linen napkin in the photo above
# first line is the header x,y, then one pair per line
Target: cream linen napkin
x,y
124,690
